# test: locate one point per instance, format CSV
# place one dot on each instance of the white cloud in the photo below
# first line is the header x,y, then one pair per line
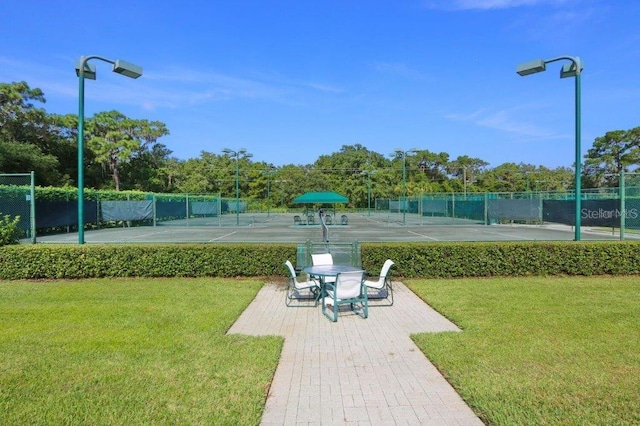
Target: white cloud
x,y
488,4
398,69
193,87
321,87
503,121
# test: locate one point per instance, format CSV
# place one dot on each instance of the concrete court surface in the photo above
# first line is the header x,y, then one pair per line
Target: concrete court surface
x,y
377,227
355,371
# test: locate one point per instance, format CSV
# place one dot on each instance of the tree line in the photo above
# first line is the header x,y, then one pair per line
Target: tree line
x,y
123,153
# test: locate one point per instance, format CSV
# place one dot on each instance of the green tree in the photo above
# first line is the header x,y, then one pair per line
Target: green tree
x,y
342,172
116,139
207,174
464,170
290,182
507,177
27,139
149,170
433,165
610,154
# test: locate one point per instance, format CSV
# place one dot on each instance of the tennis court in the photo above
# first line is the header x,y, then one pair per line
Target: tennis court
x,y
363,227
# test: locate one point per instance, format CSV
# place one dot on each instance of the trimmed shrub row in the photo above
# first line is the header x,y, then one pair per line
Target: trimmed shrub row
x,y
457,260
9,231
413,260
88,261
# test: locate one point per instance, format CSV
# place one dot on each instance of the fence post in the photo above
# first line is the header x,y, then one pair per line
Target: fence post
x,y
354,254
32,208
186,201
453,207
153,204
540,209
308,254
623,206
486,208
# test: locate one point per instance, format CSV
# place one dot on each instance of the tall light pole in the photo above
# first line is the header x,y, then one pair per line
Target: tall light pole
x,y
572,69
464,181
401,154
270,171
86,70
241,153
368,174
281,182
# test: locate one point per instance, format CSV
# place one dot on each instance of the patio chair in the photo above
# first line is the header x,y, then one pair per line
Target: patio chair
x,y
328,220
347,290
295,287
297,220
323,259
383,289
343,219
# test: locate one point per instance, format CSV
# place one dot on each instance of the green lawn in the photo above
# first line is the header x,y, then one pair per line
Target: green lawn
x,y
536,351
153,351
131,351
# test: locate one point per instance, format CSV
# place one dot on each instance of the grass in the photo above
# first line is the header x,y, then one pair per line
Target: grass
x,y
540,350
554,350
131,351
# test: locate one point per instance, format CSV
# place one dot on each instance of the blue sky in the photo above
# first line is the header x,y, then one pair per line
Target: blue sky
x,y
293,80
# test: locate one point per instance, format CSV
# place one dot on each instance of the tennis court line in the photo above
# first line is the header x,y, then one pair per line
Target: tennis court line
x,y
422,235
505,235
222,236
135,237
374,220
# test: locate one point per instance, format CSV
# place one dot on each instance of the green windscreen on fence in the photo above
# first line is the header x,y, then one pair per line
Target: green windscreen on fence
x,y
17,199
615,207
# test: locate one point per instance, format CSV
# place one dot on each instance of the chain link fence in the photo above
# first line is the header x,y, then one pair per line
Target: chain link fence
x,y
615,208
54,210
17,199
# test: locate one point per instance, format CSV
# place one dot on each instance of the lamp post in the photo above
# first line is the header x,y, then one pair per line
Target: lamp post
x,y
281,182
86,70
368,174
401,154
269,172
572,69
464,180
241,153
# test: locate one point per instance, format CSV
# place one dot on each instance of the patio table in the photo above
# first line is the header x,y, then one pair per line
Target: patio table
x,y
323,271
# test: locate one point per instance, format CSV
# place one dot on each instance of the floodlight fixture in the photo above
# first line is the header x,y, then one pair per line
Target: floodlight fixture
x,y
401,154
531,67
119,66
85,70
571,69
242,152
126,68
368,174
89,70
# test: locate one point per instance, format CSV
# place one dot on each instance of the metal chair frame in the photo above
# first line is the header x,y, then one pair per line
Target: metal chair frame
x,y
355,294
294,287
383,285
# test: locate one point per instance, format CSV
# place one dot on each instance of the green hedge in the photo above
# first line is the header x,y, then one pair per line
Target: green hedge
x,y
9,231
413,260
457,260
69,193
85,261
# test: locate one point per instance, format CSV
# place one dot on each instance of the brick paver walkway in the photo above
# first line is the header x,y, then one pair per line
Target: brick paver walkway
x,y
355,371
